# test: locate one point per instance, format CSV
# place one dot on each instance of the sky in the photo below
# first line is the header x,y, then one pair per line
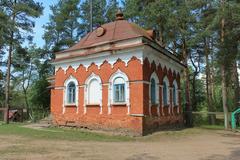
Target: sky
x,y
39,22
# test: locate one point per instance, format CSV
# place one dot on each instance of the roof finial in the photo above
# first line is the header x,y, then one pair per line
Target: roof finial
x,y
119,15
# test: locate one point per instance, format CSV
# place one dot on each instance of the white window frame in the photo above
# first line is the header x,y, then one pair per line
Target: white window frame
x,y
118,74
71,92
119,91
165,79
65,92
86,91
155,77
176,92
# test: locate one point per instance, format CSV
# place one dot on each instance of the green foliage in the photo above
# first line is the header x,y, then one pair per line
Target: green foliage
x,y
62,30
70,20
40,94
3,28
103,11
19,19
194,27
200,93
1,89
218,97
147,15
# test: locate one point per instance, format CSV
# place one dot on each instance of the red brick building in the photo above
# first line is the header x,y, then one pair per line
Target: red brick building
x,y
117,78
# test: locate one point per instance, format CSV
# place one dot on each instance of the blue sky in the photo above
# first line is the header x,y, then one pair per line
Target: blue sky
x,y
38,30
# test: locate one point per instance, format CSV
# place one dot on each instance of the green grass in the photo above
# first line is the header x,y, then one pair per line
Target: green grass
x,y
58,134
212,127
53,133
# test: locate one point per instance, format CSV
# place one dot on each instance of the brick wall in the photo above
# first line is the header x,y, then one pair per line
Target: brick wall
x,y
138,75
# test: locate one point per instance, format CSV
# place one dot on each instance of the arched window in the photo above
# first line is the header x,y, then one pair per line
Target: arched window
x,y
71,93
165,91
153,91
175,93
119,90
93,90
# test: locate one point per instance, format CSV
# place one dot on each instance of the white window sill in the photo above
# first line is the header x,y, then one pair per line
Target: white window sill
x,y
97,104
119,104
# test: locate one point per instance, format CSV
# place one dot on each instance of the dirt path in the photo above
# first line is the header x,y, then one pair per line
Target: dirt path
x,y
211,145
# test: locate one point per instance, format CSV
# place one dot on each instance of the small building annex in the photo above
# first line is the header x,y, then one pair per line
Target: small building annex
x,y
117,78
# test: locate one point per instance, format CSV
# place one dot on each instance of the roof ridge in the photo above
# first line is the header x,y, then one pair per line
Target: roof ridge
x,y
113,35
114,31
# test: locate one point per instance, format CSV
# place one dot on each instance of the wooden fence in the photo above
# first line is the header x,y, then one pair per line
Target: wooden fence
x,y
15,114
202,117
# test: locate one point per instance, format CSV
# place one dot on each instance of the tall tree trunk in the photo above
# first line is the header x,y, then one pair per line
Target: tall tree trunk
x,y
224,96
8,77
223,74
211,108
189,119
236,84
194,102
195,73
25,87
9,63
211,80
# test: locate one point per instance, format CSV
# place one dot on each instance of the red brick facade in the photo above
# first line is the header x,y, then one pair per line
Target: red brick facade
x,y
142,117
116,49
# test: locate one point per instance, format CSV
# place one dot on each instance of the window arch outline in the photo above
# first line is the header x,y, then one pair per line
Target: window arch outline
x,y
165,91
68,81
114,76
154,99
71,93
175,93
88,82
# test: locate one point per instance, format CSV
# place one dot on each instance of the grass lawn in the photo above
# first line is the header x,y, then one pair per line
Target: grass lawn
x,y
20,143
58,134
82,135
212,127
72,134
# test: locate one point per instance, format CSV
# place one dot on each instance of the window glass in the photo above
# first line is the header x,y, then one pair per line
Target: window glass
x,y
165,94
174,95
71,93
119,90
153,91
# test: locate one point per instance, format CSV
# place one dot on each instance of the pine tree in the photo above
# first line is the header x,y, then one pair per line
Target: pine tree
x,y
19,20
3,28
111,10
99,15
205,12
225,30
62,30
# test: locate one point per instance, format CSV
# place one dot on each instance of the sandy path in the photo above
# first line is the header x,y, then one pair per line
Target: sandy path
x,y
210,145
